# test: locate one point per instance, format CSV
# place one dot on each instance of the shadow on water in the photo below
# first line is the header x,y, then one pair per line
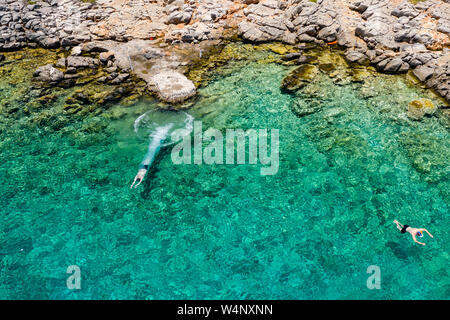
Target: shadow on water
x,y
152,172
398,251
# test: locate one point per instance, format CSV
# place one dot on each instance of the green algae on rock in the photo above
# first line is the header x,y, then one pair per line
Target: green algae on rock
x,y
81,95
202,70
329,61
299,77
417,109
427,155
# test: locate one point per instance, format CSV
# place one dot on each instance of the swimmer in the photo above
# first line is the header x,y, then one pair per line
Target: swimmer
x,y
413,231
140,176
158,138
159,126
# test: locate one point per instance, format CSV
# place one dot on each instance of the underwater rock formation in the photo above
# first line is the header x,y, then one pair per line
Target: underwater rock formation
x,y
303,108
299,77
417,109
394,36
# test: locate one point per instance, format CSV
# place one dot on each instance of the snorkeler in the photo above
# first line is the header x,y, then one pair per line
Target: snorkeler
x,y
413,231
159,126
140,175
158,138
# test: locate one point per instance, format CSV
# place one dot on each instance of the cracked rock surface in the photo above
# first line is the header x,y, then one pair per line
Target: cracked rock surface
x,y
393,35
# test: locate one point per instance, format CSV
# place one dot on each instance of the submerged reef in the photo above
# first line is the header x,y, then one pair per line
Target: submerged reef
x,y
146,38
82,84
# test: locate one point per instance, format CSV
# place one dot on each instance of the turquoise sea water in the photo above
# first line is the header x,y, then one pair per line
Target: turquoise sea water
x,y
224,231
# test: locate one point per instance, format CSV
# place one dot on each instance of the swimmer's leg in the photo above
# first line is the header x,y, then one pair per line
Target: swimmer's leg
x,y
399,225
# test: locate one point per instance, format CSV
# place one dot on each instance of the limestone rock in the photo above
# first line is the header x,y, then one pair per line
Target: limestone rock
x,y
61,63
396,65
353,56
291,56
417,109
405,9
299,77
423,73
328,34
172,86
48,73
251,32
177,17
82,62
50,43
120,78
106,56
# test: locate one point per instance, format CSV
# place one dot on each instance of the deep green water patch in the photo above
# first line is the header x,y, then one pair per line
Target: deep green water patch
x,y
347,169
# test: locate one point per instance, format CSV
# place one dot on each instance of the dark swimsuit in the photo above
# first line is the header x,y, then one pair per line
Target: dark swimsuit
x,y
404,228
142,166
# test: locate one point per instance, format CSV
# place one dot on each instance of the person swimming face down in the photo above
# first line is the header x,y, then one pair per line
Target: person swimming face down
x,y
159,128
413,231
157,139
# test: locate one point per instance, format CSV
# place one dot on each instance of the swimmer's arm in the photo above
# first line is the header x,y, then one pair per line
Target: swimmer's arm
x,y
139,177
427,232
415,240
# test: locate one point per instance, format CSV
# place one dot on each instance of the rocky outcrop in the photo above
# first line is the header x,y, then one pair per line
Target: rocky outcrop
x,y
417,109
388,23
315,22
354,56
46,23
436,74
48,73
115,63
76,69
82,62
392,35
172,86
266,21
299,77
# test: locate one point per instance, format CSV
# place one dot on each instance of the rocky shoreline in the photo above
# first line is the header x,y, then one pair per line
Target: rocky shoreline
x,y
158,40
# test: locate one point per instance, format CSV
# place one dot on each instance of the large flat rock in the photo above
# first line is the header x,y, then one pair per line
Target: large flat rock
x,y
172,86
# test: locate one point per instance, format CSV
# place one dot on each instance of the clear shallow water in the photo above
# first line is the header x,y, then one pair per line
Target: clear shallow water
x,y
226,232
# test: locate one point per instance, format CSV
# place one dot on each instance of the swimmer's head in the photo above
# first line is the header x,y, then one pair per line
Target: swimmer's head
x,y
419,234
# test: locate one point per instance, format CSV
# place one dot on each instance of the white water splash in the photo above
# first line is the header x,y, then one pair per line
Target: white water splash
x,y
158,125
